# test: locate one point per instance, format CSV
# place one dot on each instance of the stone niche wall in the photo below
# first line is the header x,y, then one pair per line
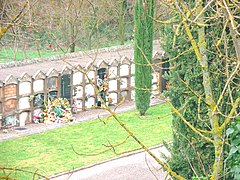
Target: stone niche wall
x,y
22,98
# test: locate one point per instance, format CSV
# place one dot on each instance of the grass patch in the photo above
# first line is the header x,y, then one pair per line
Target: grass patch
x,y
51,151
7,55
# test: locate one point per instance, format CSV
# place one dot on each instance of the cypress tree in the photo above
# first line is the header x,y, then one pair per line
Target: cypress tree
x,y
143,45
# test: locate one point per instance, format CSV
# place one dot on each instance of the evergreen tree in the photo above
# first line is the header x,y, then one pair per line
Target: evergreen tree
x,y
191,154
143,45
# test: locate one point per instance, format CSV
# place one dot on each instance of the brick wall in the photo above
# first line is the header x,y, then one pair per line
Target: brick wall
x,y
10,91
10,105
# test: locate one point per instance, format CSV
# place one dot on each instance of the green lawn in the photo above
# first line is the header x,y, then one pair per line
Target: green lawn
x,y
51,151
7,55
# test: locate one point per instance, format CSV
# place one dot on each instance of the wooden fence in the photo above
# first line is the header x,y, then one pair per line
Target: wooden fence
x,y
21,98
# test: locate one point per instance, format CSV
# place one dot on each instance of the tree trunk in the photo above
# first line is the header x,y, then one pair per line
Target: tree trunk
x,y
121,23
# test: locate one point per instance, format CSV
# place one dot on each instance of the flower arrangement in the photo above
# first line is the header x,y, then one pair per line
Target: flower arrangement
x,y
57,110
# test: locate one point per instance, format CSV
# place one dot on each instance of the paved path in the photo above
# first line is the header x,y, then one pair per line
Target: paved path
x,y
85,58
82,116
134,166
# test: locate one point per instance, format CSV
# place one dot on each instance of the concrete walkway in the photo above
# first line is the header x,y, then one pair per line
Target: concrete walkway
x,y
134,166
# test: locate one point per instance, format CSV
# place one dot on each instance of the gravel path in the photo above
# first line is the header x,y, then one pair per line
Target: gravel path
x,y
82,116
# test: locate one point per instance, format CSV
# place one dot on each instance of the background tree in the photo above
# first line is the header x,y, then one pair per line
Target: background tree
x,y
143,45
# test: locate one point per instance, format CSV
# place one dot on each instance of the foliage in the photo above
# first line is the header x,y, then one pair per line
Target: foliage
x,y
187,148
143,45
203,85
51,151
234,154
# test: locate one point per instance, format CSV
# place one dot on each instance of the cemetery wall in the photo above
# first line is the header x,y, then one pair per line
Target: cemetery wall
x,y
22,98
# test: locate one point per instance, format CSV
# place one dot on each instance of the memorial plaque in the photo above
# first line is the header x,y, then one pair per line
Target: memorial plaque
x,y
24,103
77,78
101,73
89,90
112,85
38,85
124,70
24,88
